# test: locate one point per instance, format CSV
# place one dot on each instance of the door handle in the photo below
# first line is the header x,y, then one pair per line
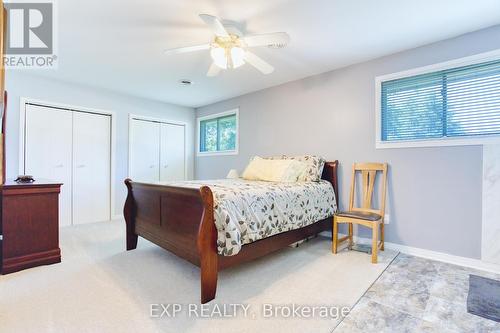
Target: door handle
x,y
80,166
58,166
165,166
151,166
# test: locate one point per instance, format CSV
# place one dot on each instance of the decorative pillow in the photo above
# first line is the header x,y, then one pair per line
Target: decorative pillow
x,y
314,167
281,170
297,168
276,157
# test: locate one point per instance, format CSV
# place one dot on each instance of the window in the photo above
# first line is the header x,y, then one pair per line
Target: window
x,y
218,134
440,107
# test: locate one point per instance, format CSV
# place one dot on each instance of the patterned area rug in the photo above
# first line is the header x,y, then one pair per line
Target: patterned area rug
x,y
484,297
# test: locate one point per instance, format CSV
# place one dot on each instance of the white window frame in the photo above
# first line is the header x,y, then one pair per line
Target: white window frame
x,y
236,112
477,140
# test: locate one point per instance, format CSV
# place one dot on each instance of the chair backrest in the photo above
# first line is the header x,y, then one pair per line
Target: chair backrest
x,y
369,172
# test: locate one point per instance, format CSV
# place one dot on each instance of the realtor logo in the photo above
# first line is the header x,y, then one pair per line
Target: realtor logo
x,y
30,35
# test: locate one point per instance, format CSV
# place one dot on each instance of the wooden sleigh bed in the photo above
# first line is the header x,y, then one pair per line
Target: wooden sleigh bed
x,y
181,220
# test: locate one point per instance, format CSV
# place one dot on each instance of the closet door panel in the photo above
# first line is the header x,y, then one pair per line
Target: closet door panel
x,y
172,152
145,151
91,167
48,151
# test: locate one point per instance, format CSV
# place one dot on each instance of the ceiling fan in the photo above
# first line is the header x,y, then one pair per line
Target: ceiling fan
x,y
229,48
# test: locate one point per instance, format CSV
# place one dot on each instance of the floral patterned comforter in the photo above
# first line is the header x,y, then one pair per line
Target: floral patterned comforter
x,y
246,211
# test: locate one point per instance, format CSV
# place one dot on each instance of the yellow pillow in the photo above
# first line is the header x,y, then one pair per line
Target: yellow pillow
x,y
273,170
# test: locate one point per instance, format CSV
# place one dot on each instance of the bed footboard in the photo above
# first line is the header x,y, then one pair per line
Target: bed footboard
x,y
179,220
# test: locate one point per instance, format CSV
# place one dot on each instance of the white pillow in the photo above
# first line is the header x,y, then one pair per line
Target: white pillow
x,y
273,170
313,166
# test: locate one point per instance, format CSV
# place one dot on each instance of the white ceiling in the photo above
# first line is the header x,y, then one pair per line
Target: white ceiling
x,y
118,44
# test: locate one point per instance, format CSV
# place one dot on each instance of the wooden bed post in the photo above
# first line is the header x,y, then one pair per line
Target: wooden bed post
x,y
207,247
330,173
129,214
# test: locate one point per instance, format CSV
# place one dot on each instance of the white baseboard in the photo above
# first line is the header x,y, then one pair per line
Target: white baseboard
x,y
434,255
117,217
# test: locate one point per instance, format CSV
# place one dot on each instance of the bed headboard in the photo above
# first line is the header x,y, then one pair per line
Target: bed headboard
x,y
330,174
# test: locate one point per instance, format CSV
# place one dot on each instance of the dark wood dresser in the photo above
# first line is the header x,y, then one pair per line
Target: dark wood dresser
x,y
29,225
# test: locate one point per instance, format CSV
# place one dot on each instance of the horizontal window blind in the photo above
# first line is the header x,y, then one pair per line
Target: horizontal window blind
x,y
458,102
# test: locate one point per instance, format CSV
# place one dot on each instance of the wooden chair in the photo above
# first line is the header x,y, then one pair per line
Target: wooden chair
x,y
365,215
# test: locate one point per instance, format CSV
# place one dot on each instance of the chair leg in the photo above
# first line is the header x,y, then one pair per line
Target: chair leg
x,y
335,235
374,243
382,235
350,232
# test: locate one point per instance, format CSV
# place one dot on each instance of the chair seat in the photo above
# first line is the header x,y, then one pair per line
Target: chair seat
x,y
360,215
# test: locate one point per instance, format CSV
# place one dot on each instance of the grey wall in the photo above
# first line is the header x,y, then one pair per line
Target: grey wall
x,y
434,194
22,85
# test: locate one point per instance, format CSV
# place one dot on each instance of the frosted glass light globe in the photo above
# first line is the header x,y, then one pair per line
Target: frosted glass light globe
x,y
218,54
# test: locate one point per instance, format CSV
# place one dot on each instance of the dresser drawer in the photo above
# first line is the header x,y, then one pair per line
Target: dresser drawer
x,y
30,225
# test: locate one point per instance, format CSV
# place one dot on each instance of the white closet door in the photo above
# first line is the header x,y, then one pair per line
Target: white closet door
x,y
91,167
145,151
48,151
172,152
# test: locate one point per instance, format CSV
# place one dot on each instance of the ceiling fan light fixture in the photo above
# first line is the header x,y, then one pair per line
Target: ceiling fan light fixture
x,y
218,55
227,56
229,47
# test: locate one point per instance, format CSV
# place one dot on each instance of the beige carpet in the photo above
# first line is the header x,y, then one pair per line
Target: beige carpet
x,y
99,287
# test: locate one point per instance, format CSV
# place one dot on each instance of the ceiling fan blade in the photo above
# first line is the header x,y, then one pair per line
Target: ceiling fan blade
x,y
187,49
277,39
214,70
258,63
214,24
